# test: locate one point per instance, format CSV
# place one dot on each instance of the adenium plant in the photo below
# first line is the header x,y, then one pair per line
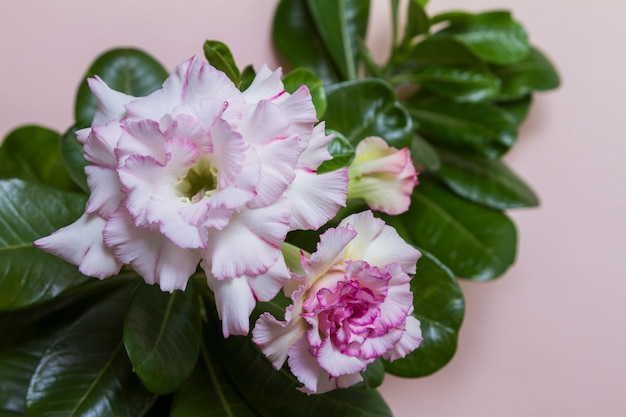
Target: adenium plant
x,y
259,241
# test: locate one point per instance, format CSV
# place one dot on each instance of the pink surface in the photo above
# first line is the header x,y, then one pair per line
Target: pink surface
x,y
546,339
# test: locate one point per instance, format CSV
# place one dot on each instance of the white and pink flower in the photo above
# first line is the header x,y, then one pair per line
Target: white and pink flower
x,y
382,175
200,173
352,304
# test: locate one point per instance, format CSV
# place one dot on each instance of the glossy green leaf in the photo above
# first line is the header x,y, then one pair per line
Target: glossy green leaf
x,y
247,76
443,51
28,212
439,306
480,128
209,392
297,40
340,24
129,71
219,56
32,153
534,72
474,241
368,107
516,111
461,84
274,393
424,154
17,366
373,376
492,36
73,158
340,149
484,181
417,22
86,372
302,76
162,336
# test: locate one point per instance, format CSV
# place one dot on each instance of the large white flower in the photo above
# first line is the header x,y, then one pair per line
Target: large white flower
x,y
353,305
199,172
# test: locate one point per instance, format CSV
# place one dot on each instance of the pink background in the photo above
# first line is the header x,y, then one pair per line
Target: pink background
x,y
546,339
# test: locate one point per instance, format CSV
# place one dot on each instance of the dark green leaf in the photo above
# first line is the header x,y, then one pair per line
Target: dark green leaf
x,y
480,128
368,107
129,71
484,181
273,393
492,36
461,84
297,40
373,375
340,149
85,372
73,158
474,241
516,111
371,67
535,72
162,336
302,76
17,366
209,392
247,76
219,56
340,24
417,23
439,306
443,51
424,154
28,212
32,153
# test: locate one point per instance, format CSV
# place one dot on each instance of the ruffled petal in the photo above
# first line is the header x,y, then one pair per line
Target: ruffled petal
x,y
330,250
81,243
304,366
336,363
411,339
152,255
379,244
267,85
275,338
111,103
234,301
316,198
105,187
99,146
317,150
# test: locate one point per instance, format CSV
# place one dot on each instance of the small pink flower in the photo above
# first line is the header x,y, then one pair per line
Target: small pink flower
x,y
353,305
200,173
381,175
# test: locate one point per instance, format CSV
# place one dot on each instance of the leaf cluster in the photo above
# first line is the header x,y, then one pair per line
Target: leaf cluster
x,y
455,89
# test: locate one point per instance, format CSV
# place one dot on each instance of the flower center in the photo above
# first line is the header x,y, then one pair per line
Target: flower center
x,y
200,182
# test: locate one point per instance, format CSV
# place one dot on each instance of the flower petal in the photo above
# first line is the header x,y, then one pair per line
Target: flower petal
x,y
275,338
336,363
81,243
111,103
267,85
234,301
411,339
105,187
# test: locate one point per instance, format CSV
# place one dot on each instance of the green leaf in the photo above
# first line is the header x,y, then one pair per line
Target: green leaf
x,y
73,158
439,306
296,38
28,212
443,51
368,107
374,375
424,153
484,181
209,392
32,153
417,22
340,149
247,76
461,84
86,372
302,76
129,71
17,366
516,111
535,72
162,336
492,36
340,24
480,128
219,56
474,241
